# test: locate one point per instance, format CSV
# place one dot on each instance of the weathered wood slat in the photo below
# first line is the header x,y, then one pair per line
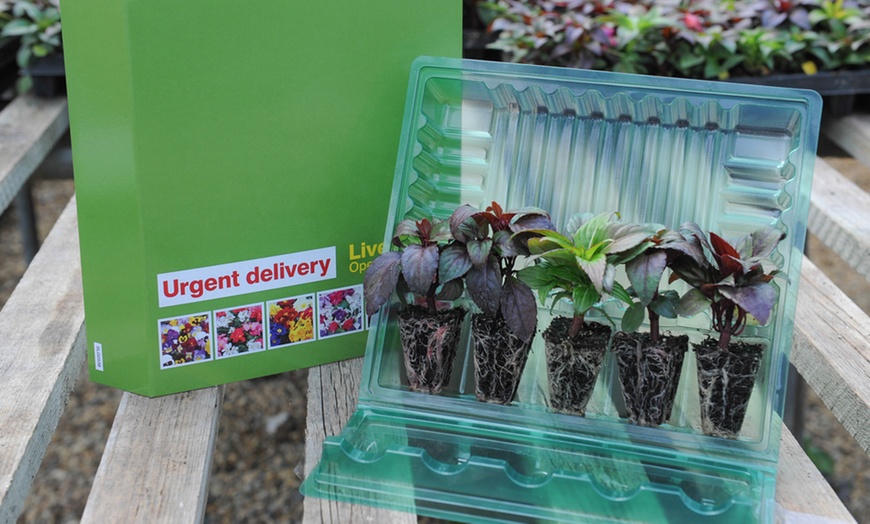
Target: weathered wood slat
x,y
802,493
332,395
157,461
40,358
832,350
29,128
852,133
838,216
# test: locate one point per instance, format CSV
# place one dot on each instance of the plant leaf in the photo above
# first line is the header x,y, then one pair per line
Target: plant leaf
x,y
420,267
406,227
757,299
462,225
692,303
484,286
440,232
621,293
584,297
763,242
645,274
633,317
450,290
478,250
380,280
594,268
519,308
534,276
664,306
536,219
506,245
453,263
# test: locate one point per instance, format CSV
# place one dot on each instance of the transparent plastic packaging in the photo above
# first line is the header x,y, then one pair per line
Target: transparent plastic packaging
x,y
730,157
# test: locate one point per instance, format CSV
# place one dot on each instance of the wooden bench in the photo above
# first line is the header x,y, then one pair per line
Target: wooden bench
x,y
156,445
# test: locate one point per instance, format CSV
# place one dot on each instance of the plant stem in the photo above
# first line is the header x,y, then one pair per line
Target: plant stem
x,y
653,325
430,299
725,333
576,326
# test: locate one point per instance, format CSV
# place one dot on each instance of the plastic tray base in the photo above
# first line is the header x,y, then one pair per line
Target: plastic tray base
x,y
474,473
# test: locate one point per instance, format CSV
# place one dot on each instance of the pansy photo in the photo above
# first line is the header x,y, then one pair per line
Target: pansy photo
x,y
239,330
291,321
340,311
185,340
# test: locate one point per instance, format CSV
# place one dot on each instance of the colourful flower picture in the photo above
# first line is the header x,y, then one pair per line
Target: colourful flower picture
x,y
239,330
340,311
185,340
291,321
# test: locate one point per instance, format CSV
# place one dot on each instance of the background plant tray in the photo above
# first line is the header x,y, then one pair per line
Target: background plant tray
x,y
731,157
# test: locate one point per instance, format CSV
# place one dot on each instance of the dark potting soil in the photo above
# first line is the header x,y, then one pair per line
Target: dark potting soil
x,y
725,381
649,374
499,359
573,364
429,345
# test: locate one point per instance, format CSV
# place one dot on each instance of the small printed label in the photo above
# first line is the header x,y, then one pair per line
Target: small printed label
x,y
98,356
249,276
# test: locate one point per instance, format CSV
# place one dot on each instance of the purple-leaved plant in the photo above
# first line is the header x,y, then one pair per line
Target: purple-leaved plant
x,y
734,280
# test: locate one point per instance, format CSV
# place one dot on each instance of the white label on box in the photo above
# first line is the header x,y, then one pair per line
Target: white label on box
x,y
98,356
249,276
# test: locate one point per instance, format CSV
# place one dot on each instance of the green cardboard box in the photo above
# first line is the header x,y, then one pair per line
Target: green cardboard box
x,y
233,169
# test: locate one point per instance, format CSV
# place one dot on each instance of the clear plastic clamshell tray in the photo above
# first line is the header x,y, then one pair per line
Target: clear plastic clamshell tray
x,y
730,157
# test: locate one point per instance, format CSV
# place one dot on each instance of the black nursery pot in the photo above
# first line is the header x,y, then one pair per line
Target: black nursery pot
x,y
573,364
48,75
499,359
725,381
649,374
429,342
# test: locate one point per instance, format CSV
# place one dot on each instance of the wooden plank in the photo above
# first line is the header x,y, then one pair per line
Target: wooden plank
x,y
332,395
852,133
802,493
832,350
29,128
157,460
42,353
838,216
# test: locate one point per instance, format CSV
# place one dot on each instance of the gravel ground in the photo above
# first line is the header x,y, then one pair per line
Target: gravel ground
x,y
262,425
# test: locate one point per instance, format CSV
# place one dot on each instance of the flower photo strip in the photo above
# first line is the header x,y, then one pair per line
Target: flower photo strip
x,y
185,340
239,330
291,321
340,311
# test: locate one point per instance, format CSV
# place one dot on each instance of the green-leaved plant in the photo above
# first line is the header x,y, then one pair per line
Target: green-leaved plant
x,y
580,266
37,23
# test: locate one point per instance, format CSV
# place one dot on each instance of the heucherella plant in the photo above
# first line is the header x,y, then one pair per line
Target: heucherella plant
x,y
734,280
488,243
645,272
429,335
417,267
581,265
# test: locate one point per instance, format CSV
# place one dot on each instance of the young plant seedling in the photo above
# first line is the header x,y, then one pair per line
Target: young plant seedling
x,y
734,281
488,244
645,273
416,267
581,265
